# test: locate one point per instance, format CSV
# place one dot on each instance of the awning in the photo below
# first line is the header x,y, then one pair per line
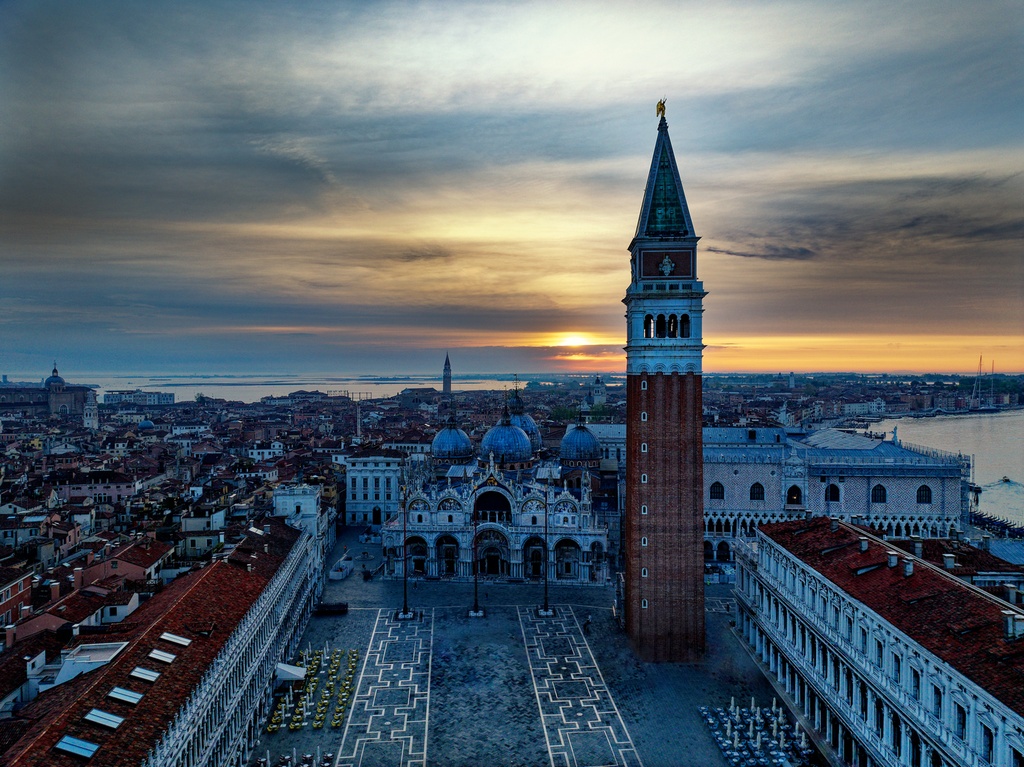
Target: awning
x,y
289,673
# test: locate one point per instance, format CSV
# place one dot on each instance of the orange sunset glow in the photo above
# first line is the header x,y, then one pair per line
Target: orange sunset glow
x,y
230,193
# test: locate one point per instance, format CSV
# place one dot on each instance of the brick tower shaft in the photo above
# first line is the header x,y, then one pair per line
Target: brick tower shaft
x,y
664,525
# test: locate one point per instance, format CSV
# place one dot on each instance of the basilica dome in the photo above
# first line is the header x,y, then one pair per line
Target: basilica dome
x,y
54,379
520,418
580,446
451,444
508,443
146,424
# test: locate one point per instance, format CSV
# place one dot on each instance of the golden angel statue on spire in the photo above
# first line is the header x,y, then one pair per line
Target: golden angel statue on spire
x,y
659,110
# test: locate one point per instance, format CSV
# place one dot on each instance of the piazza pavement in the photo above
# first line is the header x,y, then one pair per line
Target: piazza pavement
x,y
510,689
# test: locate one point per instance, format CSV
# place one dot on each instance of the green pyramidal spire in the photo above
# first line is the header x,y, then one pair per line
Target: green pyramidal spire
x,y
664,212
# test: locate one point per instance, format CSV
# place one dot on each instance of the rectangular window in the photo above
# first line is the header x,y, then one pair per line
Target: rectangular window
x,y
988,742
915,683
937,701
864,641
960,721
878,652
897,668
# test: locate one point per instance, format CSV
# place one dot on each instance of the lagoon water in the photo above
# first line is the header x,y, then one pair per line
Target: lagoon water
x,y
251,388
994,440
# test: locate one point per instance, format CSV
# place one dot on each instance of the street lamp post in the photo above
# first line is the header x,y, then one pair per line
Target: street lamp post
x,y
546,609
405,556
476,567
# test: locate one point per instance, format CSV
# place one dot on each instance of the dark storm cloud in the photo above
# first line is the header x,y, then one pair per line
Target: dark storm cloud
x,y
771,252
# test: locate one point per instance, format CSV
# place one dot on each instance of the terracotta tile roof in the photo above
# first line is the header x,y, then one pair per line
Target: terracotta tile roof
x,y
970,560
956,622
144,553
77,606
203,606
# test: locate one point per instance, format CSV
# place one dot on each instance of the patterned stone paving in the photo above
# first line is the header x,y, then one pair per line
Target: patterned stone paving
x,y
719,605
582,725
387,723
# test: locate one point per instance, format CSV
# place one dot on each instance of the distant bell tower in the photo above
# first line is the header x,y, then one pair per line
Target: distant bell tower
x,y
90,412
446,386
664,579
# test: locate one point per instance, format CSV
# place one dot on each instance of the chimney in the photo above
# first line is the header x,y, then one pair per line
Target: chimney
x,y
54,591
1011,593
949,561
25,610
894,557
833,524
266,548
1012,624
266,529
908,567
986,542
9,632
918,547
248,567
79,578
863,543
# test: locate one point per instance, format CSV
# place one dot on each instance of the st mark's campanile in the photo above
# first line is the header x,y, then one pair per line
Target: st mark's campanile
x,y
664,579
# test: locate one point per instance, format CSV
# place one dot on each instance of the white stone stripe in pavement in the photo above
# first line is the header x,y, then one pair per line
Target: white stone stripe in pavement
x,y
387,722
582,724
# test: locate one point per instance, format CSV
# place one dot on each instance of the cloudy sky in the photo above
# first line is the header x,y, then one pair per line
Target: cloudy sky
x,y
358,187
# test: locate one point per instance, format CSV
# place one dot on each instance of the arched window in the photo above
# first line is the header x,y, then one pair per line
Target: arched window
x,y
649,326
643,541
717,491
643,604
643,509
685,329
643,386
878,494
924,494
832,494
643,416
643,479
643,447
757,492
643,572
659,327
673,326
794,496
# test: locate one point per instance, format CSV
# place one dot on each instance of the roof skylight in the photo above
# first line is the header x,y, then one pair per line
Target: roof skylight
x,y
145,674
127,696
98,716
163,657
174,638
77,746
